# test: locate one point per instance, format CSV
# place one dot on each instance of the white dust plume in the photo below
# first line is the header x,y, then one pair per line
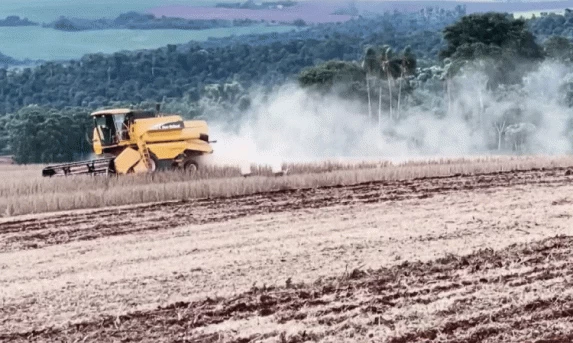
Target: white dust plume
x,y
295,125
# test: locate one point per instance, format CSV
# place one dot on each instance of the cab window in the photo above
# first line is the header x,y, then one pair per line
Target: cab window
x,y
106,128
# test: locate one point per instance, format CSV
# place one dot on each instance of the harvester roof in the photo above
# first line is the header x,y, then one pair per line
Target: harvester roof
x,y
113,111
134,114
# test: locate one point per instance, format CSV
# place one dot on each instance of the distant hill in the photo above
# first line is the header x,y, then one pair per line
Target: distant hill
x,y
140,21
8,61
15,20
311,12
252,5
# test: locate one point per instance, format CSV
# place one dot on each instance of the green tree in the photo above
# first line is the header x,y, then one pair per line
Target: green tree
x,y
503,43
24,132
408,65
392,67
558,48
371,67
341,76
484,34
4,139
387,71
43,135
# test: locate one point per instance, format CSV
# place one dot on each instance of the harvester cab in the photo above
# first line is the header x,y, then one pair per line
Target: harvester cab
x,y
112,128
136,141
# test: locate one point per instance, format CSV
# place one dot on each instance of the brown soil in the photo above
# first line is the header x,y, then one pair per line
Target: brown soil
x,y
476,258
19,234
536,305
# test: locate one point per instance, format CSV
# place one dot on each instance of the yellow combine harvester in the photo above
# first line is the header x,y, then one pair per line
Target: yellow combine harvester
x,y
136,141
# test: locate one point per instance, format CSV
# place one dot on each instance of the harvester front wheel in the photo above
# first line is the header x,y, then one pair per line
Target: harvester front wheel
x,y
153,162
190,166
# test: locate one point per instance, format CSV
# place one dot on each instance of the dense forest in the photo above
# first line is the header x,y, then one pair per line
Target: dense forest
x,y
395,52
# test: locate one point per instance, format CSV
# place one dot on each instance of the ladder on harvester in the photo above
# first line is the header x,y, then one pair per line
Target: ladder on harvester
x,y
145,152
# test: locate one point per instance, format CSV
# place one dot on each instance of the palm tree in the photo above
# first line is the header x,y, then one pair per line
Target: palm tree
x,y
370,66
390,69
407,67
386,66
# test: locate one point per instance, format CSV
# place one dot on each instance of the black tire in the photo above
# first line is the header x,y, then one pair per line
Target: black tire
x,y
190,166
154,163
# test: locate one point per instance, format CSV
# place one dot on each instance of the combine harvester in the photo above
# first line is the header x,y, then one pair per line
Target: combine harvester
x,y
135,141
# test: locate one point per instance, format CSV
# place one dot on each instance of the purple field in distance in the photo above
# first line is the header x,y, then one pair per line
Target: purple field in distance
x,y
311,12
321,11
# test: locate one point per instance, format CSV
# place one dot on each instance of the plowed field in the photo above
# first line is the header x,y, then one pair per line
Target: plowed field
x,y
480,258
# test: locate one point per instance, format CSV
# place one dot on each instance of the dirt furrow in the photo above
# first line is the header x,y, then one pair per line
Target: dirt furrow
x,y
60,229
373,304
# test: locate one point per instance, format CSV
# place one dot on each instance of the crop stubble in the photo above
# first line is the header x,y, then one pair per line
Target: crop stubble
x,y
28,193
513,294
65,228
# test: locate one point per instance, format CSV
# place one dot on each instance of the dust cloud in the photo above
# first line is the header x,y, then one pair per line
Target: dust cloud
x,y
292,124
